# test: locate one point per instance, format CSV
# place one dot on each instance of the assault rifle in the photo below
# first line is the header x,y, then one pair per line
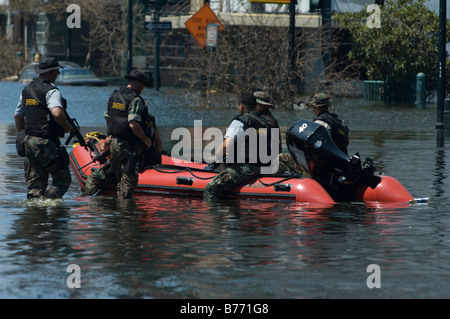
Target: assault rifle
x,y
76,129
101,158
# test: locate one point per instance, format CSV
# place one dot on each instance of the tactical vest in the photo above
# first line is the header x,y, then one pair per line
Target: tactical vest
x,y
339,131
39,120
262,128
148,124
118,106
273,123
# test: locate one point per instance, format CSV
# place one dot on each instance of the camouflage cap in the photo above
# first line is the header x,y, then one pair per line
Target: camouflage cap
x,y
263,98
319,100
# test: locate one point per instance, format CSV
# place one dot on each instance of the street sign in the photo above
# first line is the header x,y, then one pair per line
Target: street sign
x,y
212,34
159,26
198,23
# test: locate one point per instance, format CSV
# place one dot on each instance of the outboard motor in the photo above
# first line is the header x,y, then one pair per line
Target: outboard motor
x,y
311,146
308,141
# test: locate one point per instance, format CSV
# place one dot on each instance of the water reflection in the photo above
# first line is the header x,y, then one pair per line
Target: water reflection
x,y
169,233
440,173
39,235
177,247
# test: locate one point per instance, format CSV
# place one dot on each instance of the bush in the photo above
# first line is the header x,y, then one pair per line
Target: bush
x,y
11,57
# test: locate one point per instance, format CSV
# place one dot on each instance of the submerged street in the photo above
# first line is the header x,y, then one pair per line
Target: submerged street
x,y
177,247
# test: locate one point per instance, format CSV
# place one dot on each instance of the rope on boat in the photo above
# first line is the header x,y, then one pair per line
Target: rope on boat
x,y
90,135
175,171
94,136
278,182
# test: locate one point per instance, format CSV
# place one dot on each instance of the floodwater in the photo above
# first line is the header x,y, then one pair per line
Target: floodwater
x,y
176,247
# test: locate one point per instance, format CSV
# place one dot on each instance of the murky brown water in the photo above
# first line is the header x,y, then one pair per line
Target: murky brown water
x,y
163,247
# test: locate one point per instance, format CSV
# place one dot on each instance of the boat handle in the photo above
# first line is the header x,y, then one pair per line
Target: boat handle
x,y
181,180
282,187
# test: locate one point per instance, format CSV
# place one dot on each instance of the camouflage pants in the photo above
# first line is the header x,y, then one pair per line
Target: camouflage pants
x,y
230,177
125,161
288,165
43,157
99,179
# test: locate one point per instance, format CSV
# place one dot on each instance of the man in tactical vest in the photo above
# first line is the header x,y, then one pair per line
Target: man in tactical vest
x,y
285,163
238,152
263,106
40,114
320,103
126,125
323,172
100,178
339,132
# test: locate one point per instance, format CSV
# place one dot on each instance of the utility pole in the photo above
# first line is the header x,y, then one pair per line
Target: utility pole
x,y
69,45
156,76
326,24
441,72
157,27
130,37
292,4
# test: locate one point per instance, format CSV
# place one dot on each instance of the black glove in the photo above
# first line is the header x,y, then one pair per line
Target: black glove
x,y
211,166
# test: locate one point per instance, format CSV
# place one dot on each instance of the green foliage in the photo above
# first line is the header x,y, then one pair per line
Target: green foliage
x,y
405,45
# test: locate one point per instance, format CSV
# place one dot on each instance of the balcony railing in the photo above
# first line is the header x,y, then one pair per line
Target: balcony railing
x,y
180,7
173,7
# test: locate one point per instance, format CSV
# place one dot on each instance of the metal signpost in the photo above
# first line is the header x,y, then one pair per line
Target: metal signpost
x,y
157,27
130,37
441,73
212,35
205,27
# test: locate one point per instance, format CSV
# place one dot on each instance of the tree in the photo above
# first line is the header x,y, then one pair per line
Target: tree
x,y
26,12
256,57
107,31
404,45
14,52
10,55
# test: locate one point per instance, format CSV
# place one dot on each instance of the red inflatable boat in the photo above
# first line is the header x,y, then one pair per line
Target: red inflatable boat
x,y
190,178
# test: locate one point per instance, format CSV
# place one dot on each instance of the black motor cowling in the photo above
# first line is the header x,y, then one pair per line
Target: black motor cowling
x,y
309,143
